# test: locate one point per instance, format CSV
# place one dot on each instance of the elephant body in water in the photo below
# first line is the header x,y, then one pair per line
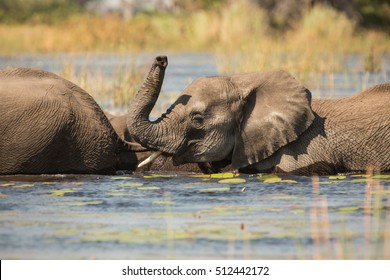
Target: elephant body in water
x,y
265,122
49,125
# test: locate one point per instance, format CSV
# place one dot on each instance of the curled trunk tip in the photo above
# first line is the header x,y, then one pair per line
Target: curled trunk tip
x,y
162,61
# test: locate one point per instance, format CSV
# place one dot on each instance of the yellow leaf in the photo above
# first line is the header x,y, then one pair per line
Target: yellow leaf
x,y
269,178
148,188
273,209
152,176
62,192
272,180
223,175
23,186
215,189
6,184
131,185
381,176
82,203
349,209
232,181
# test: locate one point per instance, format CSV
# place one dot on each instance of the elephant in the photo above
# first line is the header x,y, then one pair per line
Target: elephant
x,y
162,163
265,122
49,125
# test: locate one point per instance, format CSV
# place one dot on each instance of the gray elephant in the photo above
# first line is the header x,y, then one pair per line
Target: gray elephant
x,y
162,163
49,125
265,122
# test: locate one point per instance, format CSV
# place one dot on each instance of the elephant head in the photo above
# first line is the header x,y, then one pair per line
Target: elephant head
x,y
243,118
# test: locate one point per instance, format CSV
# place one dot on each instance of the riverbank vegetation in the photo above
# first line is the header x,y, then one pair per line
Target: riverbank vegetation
x,y
223,26
244,35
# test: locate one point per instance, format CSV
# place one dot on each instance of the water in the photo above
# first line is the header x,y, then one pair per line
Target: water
x,y
193,217
175,216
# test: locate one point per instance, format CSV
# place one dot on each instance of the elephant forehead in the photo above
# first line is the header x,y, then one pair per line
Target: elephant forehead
x,y
211,88
209,103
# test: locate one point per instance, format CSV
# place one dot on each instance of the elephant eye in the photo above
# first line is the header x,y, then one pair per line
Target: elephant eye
x,y
197,121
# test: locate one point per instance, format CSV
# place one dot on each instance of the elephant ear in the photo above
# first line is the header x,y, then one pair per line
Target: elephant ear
x,y
276,111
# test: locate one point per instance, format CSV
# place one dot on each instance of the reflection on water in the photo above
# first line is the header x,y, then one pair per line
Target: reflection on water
x,y
194,216
180,216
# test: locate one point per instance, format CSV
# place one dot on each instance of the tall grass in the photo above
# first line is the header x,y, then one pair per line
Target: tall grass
x,y
238,33
112,91
318,43
235,27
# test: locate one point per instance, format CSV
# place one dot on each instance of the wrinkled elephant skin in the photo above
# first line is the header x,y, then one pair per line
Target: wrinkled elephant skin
x,y
266,122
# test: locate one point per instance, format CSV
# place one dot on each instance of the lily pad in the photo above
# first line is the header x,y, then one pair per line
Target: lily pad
x,y
269,178
148,188
221,189
6,184
223,175
381,176
23,186
131,185
232,181
61,192
348,209
83,203
273,180
154,176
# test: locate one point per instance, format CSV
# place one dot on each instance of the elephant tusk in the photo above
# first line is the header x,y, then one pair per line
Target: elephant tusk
x,y
150,159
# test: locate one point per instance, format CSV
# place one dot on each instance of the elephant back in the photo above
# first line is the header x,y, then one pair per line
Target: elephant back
x,y
50,125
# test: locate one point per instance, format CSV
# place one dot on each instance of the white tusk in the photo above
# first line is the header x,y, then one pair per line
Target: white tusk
x,y
151,158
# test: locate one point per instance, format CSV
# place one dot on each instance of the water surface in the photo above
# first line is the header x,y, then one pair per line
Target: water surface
x,y
159,216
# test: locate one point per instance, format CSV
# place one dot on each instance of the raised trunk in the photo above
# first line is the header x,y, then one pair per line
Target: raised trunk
x,y
153,135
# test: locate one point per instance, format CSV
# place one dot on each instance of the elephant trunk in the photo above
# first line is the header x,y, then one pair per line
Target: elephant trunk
x,y
154,135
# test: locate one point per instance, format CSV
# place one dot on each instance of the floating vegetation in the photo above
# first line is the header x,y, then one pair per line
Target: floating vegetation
x,y
232,181
62,192
154,176
148,188
217,189
6,184
224,216
223,175
131,185
84,203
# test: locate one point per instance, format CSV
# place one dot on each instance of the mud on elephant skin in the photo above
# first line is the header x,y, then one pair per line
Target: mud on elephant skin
x,y
266,121
50,125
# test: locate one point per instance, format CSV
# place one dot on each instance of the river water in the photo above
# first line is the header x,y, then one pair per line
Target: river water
x,y
192,216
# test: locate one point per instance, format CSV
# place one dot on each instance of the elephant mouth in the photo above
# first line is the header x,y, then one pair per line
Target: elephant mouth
x,y
177,158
